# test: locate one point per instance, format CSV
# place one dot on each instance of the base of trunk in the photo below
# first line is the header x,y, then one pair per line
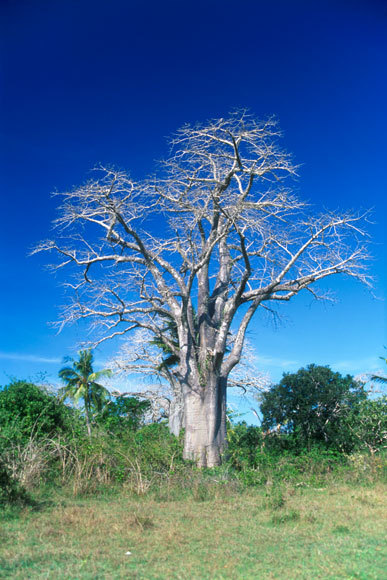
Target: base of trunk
x,y
205,456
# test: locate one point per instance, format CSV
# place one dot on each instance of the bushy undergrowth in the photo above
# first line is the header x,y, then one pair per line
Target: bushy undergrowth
x,y
11,491
259,458
148,459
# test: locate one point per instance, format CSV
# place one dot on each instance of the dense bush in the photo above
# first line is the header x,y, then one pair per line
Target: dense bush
x,y
85,463
260,456
367,424
45,442
28,410
42,440
260,459
11,492
244,443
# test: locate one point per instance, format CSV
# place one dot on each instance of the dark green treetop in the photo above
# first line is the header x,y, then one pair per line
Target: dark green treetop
x,y
311,405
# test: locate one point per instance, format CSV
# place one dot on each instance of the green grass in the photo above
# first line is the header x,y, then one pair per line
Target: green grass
x,y
337,532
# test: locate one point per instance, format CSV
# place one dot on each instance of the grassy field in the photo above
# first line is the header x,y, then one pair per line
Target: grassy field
x,y
294,532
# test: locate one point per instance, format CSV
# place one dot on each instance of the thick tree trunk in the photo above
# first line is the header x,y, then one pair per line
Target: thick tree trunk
x,y
205,421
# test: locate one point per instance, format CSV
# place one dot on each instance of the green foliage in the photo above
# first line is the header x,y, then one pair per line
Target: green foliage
x,y
122,414
258,457
45,443
157,448
135,459
244,442
27,409
312,405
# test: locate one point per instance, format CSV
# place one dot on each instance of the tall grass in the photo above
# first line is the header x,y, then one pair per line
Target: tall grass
x,y
150,462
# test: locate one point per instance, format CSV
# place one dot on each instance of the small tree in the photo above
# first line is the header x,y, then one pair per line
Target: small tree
x,y
214,238
81,383
313,406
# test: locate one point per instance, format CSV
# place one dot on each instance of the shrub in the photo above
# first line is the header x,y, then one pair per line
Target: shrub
x,y
122,414
243,443
27,409
11,492
368,425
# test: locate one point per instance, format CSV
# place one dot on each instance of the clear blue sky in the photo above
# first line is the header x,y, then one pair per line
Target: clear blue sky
x,y
91,81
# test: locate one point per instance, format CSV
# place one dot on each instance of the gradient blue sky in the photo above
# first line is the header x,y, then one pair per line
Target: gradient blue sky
x,y
87,81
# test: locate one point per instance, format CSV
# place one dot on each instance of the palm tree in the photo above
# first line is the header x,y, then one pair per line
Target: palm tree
x,y
81,383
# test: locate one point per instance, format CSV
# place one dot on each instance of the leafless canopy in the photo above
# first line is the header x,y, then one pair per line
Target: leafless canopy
x,y
219,213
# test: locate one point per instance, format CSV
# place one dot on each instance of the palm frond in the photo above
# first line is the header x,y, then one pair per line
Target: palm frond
x,y
379,379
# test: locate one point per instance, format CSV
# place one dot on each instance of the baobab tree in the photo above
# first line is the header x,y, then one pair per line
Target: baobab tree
x,y
213,238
